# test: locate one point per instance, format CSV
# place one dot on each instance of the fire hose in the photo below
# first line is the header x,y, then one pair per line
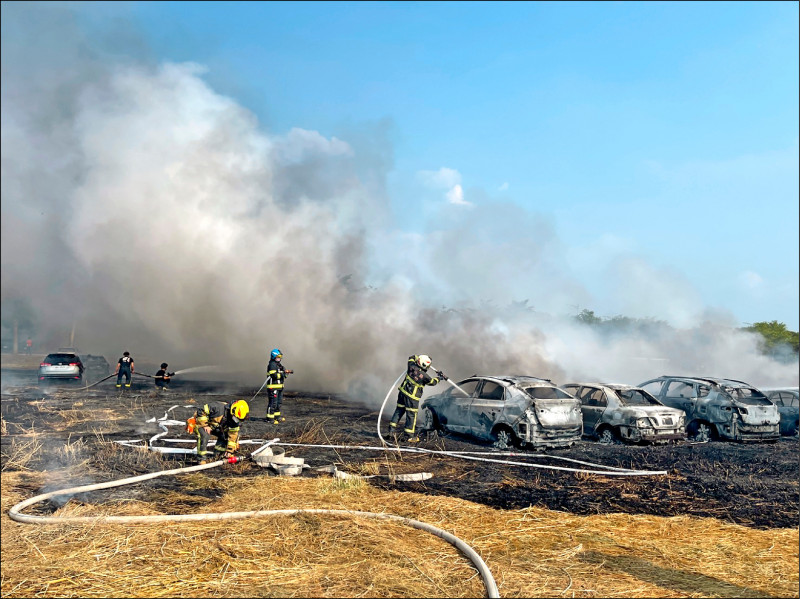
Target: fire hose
x,y
101,380
14,514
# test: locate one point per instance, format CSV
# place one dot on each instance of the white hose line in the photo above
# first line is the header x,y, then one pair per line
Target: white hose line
x,y
610,470
451,382
260,388
383,405
466,455
14,511
14,514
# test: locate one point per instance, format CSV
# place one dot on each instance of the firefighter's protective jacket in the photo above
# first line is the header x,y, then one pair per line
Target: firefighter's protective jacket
x,y
219,417
276,374
416,379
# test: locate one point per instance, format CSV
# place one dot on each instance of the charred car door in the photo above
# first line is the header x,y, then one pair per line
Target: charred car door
x,y
681,395
455,412
593,404
486,409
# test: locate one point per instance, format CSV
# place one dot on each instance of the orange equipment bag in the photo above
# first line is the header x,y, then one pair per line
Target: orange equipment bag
x,y
191,424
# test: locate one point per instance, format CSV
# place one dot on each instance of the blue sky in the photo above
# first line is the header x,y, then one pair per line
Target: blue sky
x,y
667,132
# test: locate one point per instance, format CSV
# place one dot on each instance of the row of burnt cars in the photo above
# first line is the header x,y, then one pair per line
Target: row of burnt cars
x,y
526,411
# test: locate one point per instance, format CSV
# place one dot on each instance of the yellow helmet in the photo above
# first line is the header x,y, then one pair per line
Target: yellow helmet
x,y
240,409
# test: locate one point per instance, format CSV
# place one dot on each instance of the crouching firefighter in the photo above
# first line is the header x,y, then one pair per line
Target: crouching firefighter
x,y
410,393
221,420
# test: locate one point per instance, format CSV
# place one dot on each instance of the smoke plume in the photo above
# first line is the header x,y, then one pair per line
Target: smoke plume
x,y
161,218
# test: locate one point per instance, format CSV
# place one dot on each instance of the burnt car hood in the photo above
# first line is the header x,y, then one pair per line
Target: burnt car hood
x,y
663,415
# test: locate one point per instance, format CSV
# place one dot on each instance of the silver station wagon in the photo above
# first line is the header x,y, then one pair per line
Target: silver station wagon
x,y
614,412
506,410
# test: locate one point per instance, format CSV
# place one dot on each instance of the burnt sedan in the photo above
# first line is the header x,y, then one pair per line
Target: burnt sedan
x,y
506,410
718,408
614,412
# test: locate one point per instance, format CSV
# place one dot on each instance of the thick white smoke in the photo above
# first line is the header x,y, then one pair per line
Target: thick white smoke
x,y
161,218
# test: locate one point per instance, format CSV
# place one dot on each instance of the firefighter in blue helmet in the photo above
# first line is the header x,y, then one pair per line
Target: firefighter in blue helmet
x,y
410,393
276,374
223,421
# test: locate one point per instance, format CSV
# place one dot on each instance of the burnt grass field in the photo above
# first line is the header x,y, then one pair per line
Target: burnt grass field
x,y
749,484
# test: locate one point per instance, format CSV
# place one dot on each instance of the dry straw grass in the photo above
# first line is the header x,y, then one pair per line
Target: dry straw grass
x,y
531,552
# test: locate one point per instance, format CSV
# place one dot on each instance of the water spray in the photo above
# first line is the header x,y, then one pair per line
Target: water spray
x,y
199,369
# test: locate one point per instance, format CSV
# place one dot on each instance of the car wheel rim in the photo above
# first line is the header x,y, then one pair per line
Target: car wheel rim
x,y
503,439
427,419
703,433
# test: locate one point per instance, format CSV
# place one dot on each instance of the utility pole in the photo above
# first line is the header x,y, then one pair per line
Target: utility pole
x,y
16,335
72,335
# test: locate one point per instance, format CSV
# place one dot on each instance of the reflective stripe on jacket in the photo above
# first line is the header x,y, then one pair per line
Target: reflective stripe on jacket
x,y
416,379
276,374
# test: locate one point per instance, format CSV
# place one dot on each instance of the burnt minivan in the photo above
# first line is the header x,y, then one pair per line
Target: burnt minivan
x,y
513,409
718,408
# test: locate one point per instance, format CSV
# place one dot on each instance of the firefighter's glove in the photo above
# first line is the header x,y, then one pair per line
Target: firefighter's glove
x,y
441,375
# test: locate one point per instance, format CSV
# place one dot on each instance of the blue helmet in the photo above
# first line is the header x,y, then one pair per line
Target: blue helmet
x,y
275,353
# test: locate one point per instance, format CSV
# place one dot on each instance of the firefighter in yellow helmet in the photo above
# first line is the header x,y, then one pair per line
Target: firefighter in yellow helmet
x,y
223,421
410,392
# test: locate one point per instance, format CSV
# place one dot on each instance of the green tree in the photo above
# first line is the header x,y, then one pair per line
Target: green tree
x,y
777,340
588,317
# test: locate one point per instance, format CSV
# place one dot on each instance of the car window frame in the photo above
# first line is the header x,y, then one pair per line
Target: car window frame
x,y
690,384
479,394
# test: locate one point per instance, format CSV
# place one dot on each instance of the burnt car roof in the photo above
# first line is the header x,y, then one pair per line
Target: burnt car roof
x,y
614,386
709,379
513,378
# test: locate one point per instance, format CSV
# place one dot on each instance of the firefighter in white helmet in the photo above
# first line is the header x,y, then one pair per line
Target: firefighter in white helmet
x,y
410,393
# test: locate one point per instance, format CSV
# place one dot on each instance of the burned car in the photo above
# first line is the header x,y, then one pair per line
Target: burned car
x,y
505,410
622,412
786,398
718,408
96,366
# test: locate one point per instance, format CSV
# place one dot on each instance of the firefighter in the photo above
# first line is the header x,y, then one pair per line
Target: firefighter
x,y
125,366
276,374
163,377
222,420
410,392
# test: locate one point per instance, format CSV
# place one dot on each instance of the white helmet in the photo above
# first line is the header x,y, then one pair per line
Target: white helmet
x,y
424,361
